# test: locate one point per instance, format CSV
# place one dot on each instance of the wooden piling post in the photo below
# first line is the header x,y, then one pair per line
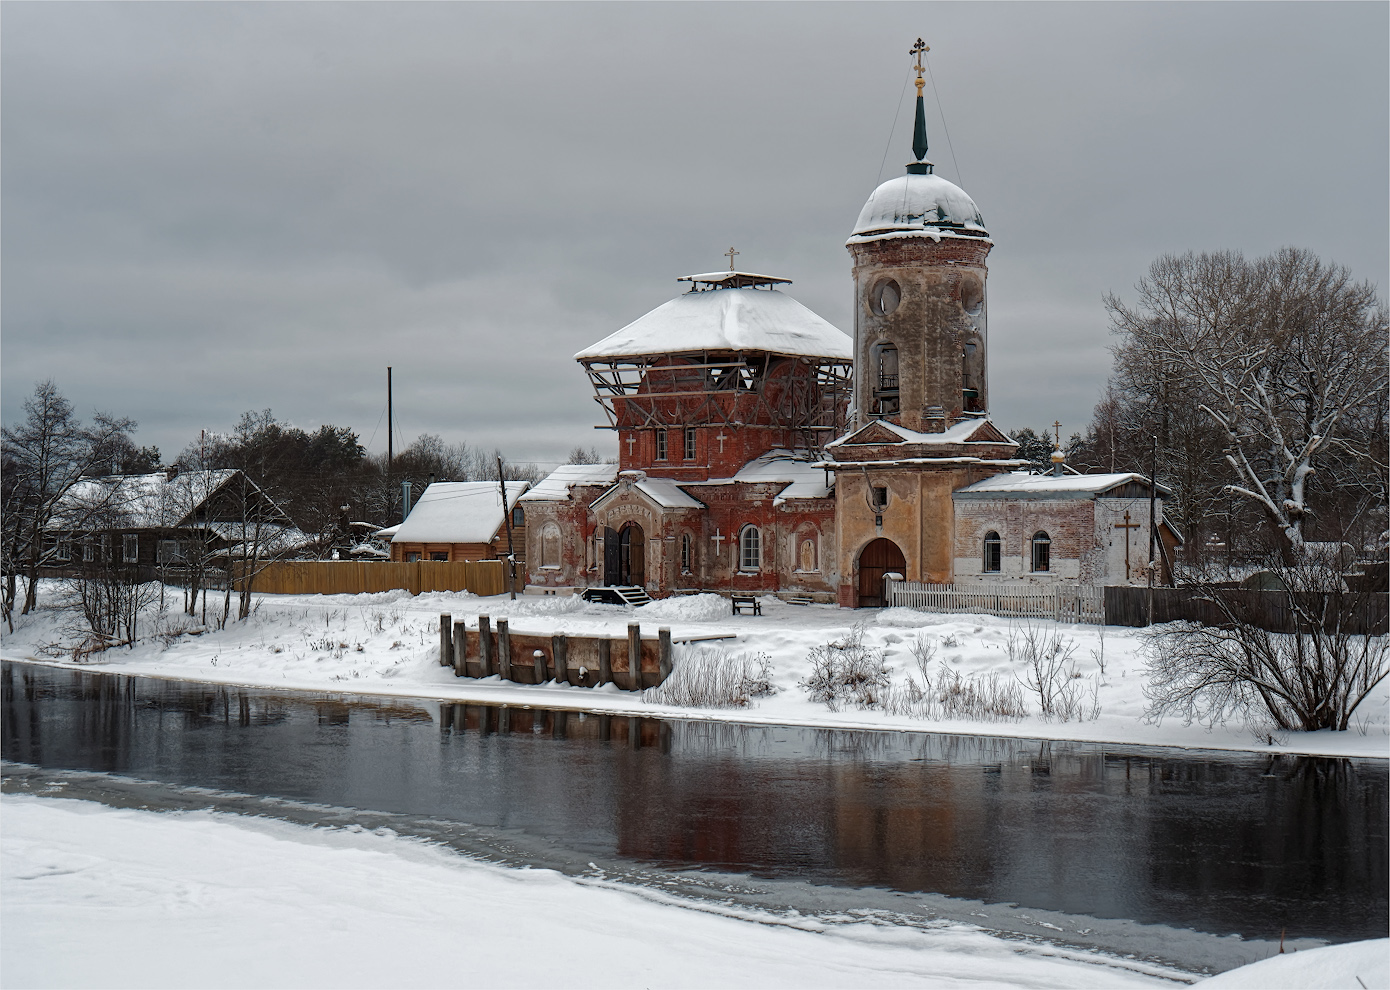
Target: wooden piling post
x,y
538,662
605,661
504,650
663,636
484,645
446,646
634,654
634,732
460,648
605,728
504,720
560,650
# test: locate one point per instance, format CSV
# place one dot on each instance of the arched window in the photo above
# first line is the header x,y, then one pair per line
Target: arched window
x,y
687,553
1042,551
992,554
550,545
750,549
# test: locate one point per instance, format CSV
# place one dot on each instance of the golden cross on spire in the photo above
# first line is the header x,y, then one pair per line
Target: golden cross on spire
x,y
918,50
730,255
1057,429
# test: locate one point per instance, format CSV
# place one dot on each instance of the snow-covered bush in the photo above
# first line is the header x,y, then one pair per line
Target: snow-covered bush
x,y
702,677
1051,674
988,698
847,672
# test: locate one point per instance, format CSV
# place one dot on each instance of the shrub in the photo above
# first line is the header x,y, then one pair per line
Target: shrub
x,y
713,678
847,672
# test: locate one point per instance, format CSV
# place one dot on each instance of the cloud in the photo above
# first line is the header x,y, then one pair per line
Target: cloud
x,y
213,208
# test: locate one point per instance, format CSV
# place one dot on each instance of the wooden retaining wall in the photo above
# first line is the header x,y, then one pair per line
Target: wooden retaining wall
x,y
354,577
584,661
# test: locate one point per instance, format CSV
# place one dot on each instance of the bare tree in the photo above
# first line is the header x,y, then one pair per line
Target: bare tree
x,y
1307,665
1285,355
45,456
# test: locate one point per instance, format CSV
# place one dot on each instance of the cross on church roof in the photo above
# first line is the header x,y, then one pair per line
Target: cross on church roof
x,y
730,254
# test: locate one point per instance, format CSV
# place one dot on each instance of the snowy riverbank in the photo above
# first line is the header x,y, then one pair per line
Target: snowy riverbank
x,y
387,644
103,897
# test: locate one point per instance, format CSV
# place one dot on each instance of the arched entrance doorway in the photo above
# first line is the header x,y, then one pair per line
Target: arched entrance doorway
x,y
876,560
632,555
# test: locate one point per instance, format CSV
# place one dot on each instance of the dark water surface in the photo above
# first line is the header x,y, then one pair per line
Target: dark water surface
x,y
1219,843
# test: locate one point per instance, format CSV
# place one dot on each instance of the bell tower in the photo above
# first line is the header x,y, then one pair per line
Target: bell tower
x,y
920,311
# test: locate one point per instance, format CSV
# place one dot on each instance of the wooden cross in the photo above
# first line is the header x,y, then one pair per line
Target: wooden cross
x,y
1057,431
630,441
730,255
718,539
1127,525
721,438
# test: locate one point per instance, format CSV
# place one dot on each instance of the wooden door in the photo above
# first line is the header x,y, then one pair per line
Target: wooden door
x,y
632,555
876,560
610,557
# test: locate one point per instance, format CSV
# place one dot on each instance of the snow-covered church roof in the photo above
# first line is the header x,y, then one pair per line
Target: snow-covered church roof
x,y
737,319
918,204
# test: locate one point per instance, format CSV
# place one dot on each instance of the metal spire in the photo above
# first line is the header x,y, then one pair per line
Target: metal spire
x,y
919,130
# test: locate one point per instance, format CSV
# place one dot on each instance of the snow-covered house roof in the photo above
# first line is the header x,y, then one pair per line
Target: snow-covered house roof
x,y
458,512
1019,484
151,501
744,319
918,205
556,486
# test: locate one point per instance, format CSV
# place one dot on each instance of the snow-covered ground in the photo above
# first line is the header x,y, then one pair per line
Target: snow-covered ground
x,y
100,897
387,644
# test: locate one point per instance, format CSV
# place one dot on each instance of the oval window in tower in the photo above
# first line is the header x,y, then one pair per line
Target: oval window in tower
x,y
884,297
972,294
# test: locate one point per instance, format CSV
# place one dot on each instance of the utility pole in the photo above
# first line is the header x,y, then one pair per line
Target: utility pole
x,y
507,519
405,498
390,450
1153,515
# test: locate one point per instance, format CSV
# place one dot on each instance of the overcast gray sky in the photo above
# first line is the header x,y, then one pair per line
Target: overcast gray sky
x,y
209,208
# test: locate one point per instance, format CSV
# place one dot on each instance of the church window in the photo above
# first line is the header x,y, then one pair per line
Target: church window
x,y
807,559
972,294
690,443
661,445
880,498
888,369
518,516
550,545
750,549
1042,552
884,297
687,552
992,553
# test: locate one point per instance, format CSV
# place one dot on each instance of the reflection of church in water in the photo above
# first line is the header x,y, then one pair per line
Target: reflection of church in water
x,y
762,450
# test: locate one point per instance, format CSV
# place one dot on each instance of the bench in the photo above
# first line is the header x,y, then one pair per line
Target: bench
x,y
742,602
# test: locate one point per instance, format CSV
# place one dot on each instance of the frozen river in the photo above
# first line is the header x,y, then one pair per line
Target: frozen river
x,y
1113,846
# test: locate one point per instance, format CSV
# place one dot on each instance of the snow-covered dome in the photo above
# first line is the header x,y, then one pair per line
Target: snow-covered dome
x,y
919,202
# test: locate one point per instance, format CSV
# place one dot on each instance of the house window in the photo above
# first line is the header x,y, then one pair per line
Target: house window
x,y
661,445
550,545
1042,552
89,550
168,552
412,557
687,552
439,555
750,549
63,549
518,517
130,548
992,555
690,443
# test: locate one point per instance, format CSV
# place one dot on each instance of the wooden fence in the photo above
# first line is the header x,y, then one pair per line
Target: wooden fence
x,y
353,577
1060,603
1364,612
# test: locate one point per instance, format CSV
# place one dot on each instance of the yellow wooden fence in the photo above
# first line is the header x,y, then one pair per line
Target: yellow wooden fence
x,y
353,577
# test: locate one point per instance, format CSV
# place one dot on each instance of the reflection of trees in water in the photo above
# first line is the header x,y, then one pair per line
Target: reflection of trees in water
x,y
697,739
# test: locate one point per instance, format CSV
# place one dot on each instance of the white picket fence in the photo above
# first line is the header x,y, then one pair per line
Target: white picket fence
x,y
1061,603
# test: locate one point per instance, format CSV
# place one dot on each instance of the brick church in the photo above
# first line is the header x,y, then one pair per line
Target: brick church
x,y
763,450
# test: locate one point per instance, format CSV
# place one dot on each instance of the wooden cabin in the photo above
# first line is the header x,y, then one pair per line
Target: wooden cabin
x,y
462,520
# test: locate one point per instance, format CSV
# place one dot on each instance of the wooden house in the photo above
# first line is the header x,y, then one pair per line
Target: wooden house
x,y
462,520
